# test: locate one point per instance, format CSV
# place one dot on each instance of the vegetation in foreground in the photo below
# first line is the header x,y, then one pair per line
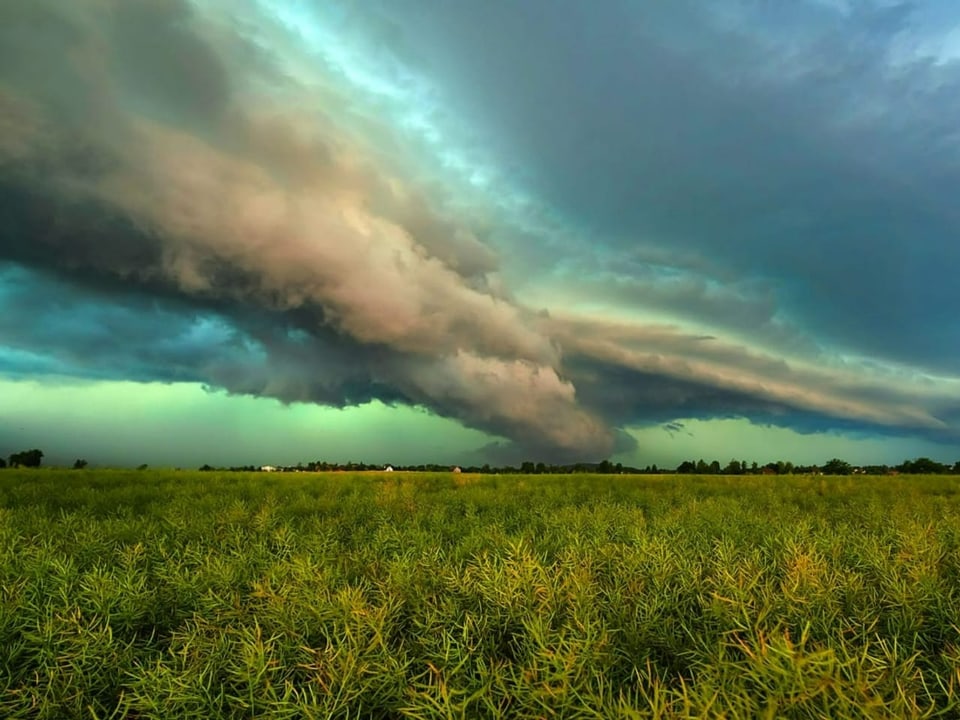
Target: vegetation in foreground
x,y
189,595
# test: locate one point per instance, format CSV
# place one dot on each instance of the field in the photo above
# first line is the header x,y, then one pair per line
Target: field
x,y
207,595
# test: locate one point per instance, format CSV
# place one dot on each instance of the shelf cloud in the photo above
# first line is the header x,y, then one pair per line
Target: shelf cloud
x,y
545,223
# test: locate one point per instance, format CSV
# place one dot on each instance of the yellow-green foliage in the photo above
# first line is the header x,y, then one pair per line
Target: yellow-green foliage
x,y
205,595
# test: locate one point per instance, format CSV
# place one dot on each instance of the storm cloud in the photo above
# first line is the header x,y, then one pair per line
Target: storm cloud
x,y
546,222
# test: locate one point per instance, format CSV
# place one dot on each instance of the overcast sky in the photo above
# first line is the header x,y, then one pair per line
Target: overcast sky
x,y
294,229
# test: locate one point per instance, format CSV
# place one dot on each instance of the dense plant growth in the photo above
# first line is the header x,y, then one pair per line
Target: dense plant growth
x,y
216,595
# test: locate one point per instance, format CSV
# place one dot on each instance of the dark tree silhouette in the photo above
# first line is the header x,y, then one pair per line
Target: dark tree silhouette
x,y
733,468
924,466
27,458
836,466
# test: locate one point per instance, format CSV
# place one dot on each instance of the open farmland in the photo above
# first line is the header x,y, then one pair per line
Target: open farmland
x,y
188,595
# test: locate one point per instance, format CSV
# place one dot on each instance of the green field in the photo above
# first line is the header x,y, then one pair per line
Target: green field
x,y
208,595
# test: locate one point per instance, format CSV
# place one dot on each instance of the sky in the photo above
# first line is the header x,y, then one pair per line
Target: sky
x,y
411,231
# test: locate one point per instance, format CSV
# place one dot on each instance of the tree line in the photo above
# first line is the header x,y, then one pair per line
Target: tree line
x,y
834,466
32,459
525,468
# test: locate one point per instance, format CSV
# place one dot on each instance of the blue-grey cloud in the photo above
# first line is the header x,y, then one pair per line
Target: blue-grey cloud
x,y
804,146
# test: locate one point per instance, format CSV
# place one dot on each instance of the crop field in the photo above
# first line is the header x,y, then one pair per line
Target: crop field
x,y
175,595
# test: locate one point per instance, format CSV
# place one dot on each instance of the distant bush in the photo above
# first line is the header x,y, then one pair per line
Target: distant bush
x,y
27,458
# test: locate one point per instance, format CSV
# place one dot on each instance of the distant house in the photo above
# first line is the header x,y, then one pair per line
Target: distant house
x,y
388,468
268,468
456,469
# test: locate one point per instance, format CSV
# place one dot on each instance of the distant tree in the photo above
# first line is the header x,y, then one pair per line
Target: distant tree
x,y
702,467
956,467
142,467
733,468
687,467
527,467
3,463
753,467
715,467
836,466
927,466
79,464
27,458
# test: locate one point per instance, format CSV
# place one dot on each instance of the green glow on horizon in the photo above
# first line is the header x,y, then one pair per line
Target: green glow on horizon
x,y
183,424
739,439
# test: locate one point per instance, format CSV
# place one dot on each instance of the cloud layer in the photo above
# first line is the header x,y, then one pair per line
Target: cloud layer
x,y
595,222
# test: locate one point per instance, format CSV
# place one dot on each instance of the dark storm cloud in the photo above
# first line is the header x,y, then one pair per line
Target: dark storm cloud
x,y
215,193
799,144
645,375
81,334
630,397
108,332
112,176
